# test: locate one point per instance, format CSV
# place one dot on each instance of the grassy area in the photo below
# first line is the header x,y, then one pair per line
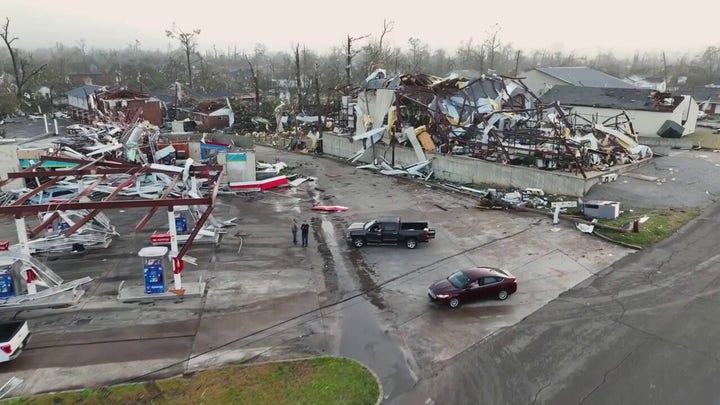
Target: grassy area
x,y
315,381
660,225
706,138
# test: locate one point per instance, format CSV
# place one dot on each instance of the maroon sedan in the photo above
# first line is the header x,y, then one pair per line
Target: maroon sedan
x,y
472,284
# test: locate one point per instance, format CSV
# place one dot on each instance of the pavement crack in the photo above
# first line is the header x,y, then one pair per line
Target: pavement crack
x,y
645,332
604,379
537,394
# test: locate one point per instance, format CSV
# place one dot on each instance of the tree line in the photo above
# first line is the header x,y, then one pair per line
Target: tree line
x,y
311,77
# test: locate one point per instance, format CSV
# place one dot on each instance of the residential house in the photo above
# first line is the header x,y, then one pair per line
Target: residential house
x,y
540,80
647,109
79,103
90,102
209,115
123,104
708,97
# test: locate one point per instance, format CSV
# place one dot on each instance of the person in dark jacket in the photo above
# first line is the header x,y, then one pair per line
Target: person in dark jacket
x,y
304,230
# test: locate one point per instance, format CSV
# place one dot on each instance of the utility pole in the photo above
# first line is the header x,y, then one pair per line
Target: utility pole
x,y
297,78
665,71
319,110
348,63
517,63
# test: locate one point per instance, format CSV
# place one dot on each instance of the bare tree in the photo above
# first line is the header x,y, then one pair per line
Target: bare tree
x,y
376,52
419,53
317,98
388,26
188,41
83,51
256,87
492,44
23,68
349,55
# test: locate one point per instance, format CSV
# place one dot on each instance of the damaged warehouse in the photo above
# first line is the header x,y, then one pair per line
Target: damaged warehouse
x,y
488,118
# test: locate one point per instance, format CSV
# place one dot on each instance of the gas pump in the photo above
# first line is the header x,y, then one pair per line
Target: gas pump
x,y
181,225
11,278
8,286
153,261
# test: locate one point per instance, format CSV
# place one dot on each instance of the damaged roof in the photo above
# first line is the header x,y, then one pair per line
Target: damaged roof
x,y
701,94
622,99
83,91
122,93
584,77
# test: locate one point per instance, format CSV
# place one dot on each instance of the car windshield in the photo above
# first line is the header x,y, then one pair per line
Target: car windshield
x,y
458,279
369,224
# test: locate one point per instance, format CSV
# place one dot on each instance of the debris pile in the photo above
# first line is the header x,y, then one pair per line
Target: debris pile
x,y
488,117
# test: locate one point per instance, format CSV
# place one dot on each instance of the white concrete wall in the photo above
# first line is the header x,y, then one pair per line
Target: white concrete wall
x,y
9,163
645,123
241,167
689,112
463,169
78,102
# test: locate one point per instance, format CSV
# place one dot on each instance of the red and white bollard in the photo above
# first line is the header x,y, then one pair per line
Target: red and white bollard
x,y
30,278
178,266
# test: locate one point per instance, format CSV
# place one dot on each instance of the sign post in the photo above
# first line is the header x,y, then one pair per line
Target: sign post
x,y
557,205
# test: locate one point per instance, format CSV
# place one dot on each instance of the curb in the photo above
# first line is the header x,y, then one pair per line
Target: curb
x,y
617,242
375,376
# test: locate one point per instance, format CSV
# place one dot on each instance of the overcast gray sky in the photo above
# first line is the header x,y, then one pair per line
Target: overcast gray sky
x,y
585,26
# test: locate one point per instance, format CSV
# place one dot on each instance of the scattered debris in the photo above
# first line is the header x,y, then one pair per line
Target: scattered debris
x,y
330,208
585,228
488,117
259,185
601,209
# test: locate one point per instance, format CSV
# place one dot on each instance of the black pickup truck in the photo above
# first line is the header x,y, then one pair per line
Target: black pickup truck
x,y
389,231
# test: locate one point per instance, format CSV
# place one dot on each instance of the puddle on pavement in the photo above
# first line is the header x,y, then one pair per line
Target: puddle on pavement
x,y
362,336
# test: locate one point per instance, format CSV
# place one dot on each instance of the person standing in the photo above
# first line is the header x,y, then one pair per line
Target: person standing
x,y
294,229
305,230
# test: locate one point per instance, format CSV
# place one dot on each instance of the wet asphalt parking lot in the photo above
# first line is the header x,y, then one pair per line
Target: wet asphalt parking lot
x,y
267,299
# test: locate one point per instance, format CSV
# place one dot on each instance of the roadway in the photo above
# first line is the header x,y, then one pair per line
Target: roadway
x,y
643,331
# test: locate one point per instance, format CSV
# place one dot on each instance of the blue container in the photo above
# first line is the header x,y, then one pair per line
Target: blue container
x,y
154,283
180,223
7,286
63,226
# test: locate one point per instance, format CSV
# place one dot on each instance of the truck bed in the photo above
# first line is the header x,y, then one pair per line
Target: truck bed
x,y
413,225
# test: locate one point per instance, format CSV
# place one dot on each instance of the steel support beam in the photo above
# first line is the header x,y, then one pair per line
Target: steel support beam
x,y
153,210
198,225
96,211
22,200
29,169
26,210
35,231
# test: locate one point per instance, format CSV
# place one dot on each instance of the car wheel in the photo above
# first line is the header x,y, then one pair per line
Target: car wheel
x,y
454,303
502,295
358,242
411,243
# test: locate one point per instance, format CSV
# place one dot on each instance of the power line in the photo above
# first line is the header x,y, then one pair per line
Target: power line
x,y
323,307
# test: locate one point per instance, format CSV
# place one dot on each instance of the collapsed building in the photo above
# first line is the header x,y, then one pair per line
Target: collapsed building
x,y
489,117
